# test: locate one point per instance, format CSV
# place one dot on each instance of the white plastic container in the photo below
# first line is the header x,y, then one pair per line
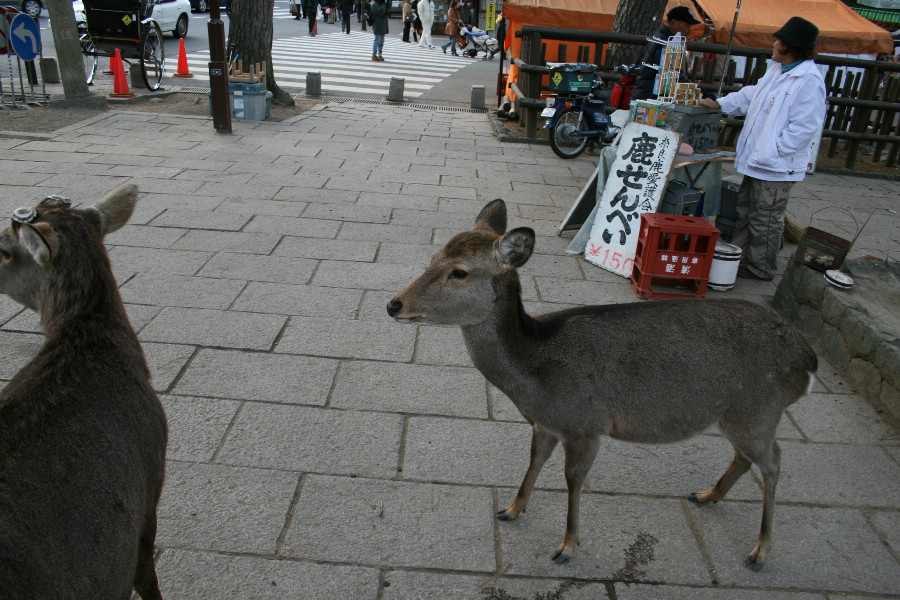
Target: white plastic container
x,y
724,268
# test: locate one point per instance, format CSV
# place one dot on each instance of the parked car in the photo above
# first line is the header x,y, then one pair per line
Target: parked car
x,y
199,6
171,15
32,8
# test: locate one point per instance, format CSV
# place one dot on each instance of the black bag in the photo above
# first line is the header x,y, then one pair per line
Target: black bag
x,y
370,18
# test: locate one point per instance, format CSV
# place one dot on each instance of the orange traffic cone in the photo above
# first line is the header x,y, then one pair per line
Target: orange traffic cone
x,y
182,62
120,83
112,67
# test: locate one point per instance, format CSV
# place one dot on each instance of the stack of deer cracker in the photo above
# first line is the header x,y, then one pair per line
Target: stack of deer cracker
x,y
688,94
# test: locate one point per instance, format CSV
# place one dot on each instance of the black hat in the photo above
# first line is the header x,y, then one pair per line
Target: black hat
x,y
682,13
798,32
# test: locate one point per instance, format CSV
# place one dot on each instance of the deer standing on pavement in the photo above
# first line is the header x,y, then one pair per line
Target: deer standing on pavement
x,y
82,433
647,372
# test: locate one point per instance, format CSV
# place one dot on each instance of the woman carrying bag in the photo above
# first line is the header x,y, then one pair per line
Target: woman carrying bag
x,y
452,28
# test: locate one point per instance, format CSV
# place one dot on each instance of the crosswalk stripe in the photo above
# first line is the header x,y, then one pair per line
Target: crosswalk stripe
x,y
345,62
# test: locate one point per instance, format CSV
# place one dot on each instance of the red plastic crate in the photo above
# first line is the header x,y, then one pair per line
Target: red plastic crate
x,y
673,257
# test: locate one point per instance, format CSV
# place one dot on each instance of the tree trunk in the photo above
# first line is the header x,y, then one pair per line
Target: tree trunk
x,y
250,28
640,17
68,49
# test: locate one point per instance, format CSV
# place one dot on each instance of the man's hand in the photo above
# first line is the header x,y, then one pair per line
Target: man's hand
x,y
709,103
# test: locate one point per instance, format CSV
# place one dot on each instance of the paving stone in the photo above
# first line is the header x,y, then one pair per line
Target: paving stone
x,y
571,291
636,591
385,233
327,249
367,276
229,509
397,524
255,267
826,549
348,339
413,585
439,345
162,289
300,227
283,208
349,213
416,389
196,426
16,351
302,438
887,524
262,377
127,260
613,532
226,329
417,255
219,221
228,241
842,419
838,474
306,300
184,574
145,236
475,452
165,362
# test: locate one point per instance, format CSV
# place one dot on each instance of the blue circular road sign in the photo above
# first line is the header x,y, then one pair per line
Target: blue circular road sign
x,y
25,36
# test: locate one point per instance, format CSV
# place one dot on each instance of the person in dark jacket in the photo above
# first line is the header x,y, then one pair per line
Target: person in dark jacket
x,y
379,28
311,7
678,20
346,13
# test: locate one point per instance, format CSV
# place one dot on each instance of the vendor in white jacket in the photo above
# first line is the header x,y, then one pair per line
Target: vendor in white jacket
x,y
784,112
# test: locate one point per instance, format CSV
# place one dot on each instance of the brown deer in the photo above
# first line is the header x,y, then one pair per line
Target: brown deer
x,y
648,372
82,433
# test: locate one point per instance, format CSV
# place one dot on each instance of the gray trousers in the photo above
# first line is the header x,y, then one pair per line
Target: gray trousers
x,y
760,223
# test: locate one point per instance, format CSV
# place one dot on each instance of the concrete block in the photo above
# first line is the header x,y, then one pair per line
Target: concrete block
x,y
839,419
199,498
833,347
213,575
305,438
261,377
395,91
890,399
417,389
633,539
314,83
808,321
887,359
865,376
834,306
50,70
135,79
478,97
403,524
860,334
808,551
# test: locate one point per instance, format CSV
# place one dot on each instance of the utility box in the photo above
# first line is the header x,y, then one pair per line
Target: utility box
x,y
249,101
698,126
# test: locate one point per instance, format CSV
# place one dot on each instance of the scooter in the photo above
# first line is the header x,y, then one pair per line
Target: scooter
x,y
578,122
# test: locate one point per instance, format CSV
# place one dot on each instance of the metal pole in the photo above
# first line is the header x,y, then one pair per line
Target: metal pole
x,y
737,10
218,71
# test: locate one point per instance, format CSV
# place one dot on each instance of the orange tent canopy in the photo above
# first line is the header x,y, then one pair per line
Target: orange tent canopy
x,y
593,15
841,30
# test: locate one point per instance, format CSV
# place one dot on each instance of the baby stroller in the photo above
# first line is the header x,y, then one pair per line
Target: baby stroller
x,y
480,40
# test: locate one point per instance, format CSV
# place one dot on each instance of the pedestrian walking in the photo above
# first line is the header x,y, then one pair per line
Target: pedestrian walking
x,y
417,22
784,111
346,14
452,28
311,7
406,13
379,28
426,14
295,9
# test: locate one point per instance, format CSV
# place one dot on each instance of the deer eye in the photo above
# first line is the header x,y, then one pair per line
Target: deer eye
x,y
458,274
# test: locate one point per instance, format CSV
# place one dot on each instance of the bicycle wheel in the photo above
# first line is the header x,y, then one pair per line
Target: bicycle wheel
x,y
152,57
563,139
88,57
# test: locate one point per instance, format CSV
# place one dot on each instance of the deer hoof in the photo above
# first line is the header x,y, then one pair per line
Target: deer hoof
x,y
560,557
753,563
694,498
503,515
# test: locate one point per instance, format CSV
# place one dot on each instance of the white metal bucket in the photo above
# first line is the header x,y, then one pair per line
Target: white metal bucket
x,y
724,268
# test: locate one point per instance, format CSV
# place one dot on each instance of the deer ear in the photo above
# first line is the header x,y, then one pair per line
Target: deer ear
x,y
116,208
35,243
492,217
514,248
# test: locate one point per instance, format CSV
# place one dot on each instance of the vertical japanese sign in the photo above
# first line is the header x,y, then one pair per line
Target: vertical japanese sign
x,y
490,16
636,184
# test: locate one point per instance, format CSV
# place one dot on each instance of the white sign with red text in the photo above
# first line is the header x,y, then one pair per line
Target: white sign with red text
x,y
636,184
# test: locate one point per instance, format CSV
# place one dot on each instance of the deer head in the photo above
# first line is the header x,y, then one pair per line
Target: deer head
x,y
458,287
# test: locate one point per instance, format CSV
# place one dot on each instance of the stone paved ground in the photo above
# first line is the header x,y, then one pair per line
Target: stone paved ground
x,y
320,450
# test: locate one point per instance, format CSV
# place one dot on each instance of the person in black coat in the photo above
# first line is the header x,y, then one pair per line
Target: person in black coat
x,y
678,20
346,13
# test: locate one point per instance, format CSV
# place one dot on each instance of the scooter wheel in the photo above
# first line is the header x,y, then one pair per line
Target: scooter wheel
x,y
563,139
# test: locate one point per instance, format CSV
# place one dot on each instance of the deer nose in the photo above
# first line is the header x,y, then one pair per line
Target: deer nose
x,y
394,307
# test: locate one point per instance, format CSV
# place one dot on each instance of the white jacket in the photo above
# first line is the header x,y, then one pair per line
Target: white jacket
x,y
426,13
784,112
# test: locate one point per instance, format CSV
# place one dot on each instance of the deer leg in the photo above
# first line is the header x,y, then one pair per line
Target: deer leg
x,y
580,456
770,466
145,581
738,467
542,444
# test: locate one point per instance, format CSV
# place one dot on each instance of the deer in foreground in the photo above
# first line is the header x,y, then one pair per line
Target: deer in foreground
x,y
82,433
647,372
